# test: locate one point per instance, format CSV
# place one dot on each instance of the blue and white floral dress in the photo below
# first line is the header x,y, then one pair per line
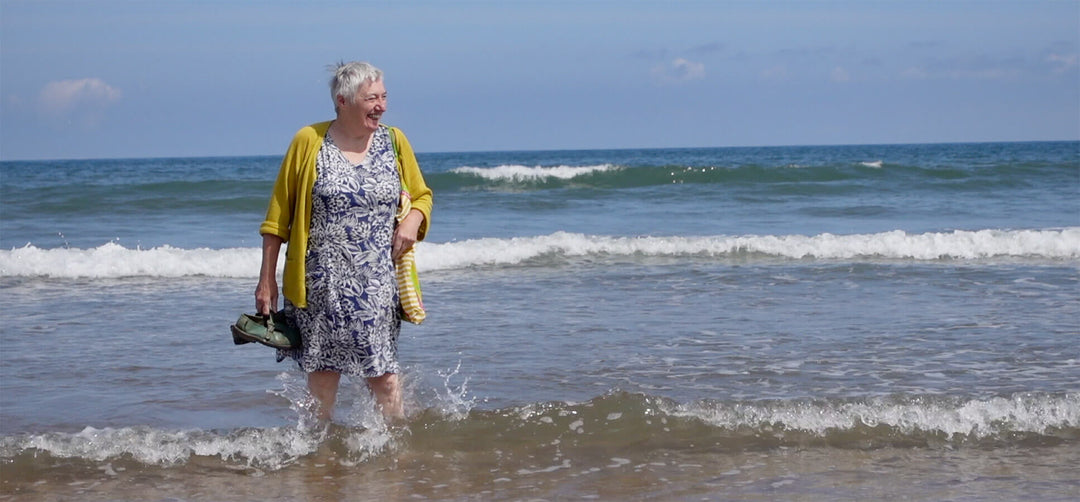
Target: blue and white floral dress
x,y
351,322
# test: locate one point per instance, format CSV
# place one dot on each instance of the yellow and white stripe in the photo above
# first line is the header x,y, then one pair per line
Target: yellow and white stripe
x,y
408,281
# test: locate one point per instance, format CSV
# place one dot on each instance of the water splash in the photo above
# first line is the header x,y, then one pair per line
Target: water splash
x,y
294,389
453,400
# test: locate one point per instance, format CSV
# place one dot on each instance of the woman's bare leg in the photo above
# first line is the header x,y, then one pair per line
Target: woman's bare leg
x,y
324,386
387,391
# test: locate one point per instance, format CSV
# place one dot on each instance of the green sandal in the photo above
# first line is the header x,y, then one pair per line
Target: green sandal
x,y
272,330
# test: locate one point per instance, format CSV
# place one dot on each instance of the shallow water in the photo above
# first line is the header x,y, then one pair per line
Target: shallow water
x,y
743,324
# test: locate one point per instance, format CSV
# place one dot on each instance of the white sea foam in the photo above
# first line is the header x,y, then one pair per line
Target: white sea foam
x,y
997,418
112,260
269,448
535,173
273,448
1042,244
976,418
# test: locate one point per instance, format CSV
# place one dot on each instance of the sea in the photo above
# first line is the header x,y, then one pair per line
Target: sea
x,y
867,322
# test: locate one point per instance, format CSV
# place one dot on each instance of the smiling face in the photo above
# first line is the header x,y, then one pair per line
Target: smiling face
x,y
366,107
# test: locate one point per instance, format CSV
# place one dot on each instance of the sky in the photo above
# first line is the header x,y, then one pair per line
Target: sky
x,y
123,79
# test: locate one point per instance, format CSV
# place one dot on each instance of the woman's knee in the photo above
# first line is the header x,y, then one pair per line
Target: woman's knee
x,y
324,384
387,382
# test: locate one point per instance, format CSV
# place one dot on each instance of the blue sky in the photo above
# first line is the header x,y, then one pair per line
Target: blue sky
x,y
105,79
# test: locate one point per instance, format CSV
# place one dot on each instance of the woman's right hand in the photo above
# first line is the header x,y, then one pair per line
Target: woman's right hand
x,y
266,296
266,292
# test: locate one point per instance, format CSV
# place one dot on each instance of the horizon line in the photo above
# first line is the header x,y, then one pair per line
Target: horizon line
x,y
443,152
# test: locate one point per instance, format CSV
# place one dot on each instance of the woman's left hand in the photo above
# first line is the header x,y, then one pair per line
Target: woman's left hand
x,y
405,233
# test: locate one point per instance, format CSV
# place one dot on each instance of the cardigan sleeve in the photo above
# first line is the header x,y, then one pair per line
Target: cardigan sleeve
x,y
289,213
279,213
421,195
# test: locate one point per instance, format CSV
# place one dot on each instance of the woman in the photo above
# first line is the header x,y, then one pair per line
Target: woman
x,y
334,202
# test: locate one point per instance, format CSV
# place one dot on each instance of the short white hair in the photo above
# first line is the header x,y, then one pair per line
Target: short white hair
x,y
348,77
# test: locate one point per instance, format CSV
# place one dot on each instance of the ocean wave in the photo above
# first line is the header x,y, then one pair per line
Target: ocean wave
x,y
1037,244
615,421
534,173
112,260
614,176
848,173
947,419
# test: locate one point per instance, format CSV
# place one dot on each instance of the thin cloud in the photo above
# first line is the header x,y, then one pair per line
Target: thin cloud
x,y
840,75
915,73
926,44
651,54
968,68
82,100
774,73
923,73
708,48
1062,63
663,53
678,71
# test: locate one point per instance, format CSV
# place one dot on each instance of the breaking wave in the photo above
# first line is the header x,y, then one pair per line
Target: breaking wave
x,y
617,420
112,260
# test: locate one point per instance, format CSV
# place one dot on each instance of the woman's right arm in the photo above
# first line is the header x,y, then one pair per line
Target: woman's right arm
x,y
266,293
276,228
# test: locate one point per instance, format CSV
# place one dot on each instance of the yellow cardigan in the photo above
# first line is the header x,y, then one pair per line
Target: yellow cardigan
x,y
291,201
